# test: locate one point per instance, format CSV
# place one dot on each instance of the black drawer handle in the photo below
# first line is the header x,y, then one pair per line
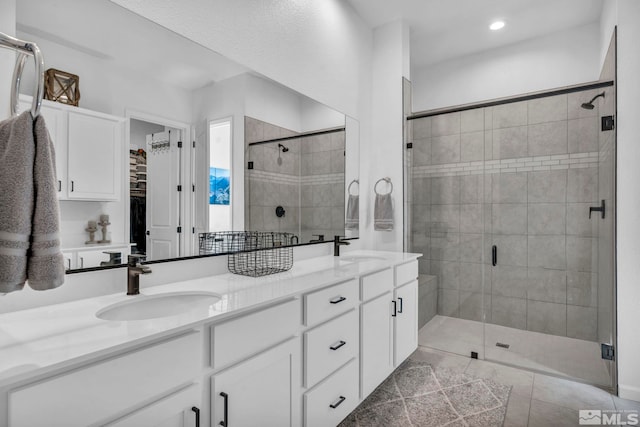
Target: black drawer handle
x,y
494,255
338,300
197,414
72,186
395,309
400,309
340,344
59,186
338,403
225,418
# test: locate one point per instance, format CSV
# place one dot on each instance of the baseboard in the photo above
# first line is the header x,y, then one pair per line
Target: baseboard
x,y
629,392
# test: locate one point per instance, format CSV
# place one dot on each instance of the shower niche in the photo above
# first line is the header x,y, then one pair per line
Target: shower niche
x,y
295,181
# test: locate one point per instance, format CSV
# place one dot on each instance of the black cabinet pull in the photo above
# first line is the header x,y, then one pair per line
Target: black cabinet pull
x,y
225,418
197,414
340,344
59,186
337,301
338,403
400,309
395,309
72,186
494,255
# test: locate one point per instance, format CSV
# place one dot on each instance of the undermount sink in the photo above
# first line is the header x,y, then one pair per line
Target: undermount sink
x,y
360,258
154,306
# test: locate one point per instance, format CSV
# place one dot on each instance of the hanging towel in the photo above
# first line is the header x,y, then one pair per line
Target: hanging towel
x,y
383,213
352,221
29,217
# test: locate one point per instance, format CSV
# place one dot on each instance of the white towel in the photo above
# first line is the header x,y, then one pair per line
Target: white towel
x,y
352,221
383,213
29,214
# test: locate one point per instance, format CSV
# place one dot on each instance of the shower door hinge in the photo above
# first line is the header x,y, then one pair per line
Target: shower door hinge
x,y
409,145
250,165
608,352
179,187
179,229
608,123
193,230
179,144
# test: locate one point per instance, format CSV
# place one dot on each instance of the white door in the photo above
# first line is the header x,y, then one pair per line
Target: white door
x,y
376,353
405,321
162,195
260,391
94,157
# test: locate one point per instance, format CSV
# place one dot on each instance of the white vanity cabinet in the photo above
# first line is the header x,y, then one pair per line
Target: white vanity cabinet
x,y
106,391
405,319
261,391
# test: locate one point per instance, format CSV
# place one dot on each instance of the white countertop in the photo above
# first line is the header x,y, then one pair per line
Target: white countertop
x,y
41,340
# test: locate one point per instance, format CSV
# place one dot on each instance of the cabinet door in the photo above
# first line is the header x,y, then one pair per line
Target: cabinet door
x,y
54,119
376,352
262,391
405,321
175,410
94,157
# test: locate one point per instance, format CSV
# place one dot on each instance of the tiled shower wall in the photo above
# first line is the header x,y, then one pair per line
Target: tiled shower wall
x,y
308,182
520,176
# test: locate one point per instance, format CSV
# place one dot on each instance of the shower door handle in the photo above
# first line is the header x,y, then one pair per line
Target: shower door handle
x,y
494,255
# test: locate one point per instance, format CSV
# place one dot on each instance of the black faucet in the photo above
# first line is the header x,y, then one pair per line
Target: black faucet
x,y
134,270
336,245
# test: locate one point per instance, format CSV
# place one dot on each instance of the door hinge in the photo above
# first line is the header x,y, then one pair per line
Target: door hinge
x,y
193,188
608,352
250,165
179,187
179,144
179,229
194,144
608,123
193,230
409,145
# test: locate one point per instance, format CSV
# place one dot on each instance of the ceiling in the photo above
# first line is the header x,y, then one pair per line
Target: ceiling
x,y
446,29
105,30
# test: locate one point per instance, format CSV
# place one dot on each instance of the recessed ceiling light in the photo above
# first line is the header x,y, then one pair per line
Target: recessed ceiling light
x,y
496,25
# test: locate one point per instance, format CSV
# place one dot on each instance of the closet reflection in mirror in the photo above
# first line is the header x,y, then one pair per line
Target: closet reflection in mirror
x,y
144,90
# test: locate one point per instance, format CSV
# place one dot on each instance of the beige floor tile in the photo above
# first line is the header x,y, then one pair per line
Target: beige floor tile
x,y
570,394
521,381
543,414
439,359
517,411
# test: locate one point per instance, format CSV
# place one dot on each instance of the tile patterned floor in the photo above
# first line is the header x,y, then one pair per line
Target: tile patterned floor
x,y
535,400
418,394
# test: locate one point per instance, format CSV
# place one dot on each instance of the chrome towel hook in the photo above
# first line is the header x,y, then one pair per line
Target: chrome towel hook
x,y
385,179
355,181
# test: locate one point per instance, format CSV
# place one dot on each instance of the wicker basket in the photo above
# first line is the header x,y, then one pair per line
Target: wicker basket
x,y
251,253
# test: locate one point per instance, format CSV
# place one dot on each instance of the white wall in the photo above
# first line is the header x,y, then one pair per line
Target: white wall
x,y
7,57
138,132
390,65
315,116
627,18
560,59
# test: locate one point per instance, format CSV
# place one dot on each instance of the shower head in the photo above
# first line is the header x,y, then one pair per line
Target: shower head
x,y
283,148
589,105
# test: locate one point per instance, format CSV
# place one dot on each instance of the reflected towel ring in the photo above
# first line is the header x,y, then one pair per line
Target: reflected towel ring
x,y
355,181
388,181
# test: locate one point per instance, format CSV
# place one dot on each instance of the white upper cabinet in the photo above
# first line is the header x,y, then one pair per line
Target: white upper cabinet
x,y
89,151
94,157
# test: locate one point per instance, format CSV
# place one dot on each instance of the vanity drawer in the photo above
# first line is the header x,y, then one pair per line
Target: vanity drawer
x,y
376,284
330,302
329,346
333,399
406,273
91,394
244,336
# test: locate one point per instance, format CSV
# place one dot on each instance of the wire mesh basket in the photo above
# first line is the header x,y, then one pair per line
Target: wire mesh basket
x,y
251,253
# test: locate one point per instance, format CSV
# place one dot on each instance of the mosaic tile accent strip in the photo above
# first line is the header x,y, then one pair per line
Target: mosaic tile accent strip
x,y
417,395
520,164
281,178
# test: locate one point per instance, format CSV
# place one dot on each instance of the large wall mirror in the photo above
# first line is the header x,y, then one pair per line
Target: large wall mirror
x,y
207,145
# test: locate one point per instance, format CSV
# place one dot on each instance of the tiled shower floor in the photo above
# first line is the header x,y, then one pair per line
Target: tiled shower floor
x,y
561,356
